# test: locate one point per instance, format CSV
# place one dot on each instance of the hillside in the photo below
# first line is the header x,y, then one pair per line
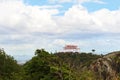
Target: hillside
x,y
61,66
88,66
77,60
107,67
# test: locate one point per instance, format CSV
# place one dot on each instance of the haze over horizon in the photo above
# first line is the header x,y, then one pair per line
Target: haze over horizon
x,y
27,25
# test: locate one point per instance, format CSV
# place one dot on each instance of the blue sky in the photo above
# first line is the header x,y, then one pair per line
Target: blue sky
x,y
109,4
90,5
26,25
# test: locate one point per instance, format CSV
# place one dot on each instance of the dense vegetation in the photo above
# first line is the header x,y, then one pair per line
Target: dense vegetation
x,y
9,69
45,66
79,63
58,66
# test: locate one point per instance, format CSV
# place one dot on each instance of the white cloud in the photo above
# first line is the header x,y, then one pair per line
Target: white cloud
x,y
78,19
15,14
31,27
50,7
109,20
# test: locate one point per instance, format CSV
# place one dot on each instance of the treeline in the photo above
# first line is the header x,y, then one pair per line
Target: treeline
x,y
9,69
48,66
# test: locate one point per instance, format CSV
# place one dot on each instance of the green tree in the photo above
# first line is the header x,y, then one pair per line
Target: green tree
x,y
8,66
93,50
45,66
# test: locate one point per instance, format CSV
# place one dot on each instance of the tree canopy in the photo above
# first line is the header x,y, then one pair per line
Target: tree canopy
x,y
59,66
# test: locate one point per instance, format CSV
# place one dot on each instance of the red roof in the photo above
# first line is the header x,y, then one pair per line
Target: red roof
x,y
70,47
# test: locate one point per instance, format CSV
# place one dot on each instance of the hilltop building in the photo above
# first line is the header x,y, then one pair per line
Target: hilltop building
x,y
71,48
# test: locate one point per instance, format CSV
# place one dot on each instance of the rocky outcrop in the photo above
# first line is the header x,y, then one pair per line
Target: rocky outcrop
x,y
107,67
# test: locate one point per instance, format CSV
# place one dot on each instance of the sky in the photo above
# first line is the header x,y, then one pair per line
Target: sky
x,y
27,25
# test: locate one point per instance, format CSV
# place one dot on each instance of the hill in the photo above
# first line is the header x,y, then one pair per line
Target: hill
x,y
88,66
107,67
79,63
61,66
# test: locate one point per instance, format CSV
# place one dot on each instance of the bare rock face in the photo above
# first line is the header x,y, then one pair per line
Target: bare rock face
x,y
107,67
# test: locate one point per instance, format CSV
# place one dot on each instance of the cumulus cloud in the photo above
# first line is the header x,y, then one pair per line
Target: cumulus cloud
x,y
39,27
15,14
109,20
78,19
19,22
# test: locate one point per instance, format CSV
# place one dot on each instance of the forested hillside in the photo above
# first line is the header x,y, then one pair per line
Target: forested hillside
x,y
9,69
61,66
79,63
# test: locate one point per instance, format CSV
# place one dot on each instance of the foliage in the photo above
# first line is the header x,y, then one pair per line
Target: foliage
x,y
78,60
45,66
8,67
87,75
58,66
79,63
